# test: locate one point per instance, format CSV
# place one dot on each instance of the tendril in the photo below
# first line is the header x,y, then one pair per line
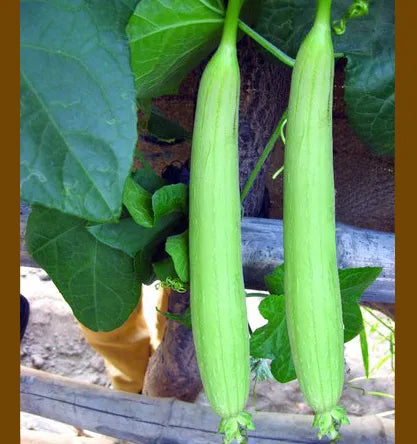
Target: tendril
x,y
175,284
357,9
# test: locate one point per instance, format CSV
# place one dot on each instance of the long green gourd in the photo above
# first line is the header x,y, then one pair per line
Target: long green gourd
x,y
218,308
313,302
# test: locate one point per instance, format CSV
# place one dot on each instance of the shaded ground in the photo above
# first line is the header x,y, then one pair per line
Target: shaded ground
x,y
53,343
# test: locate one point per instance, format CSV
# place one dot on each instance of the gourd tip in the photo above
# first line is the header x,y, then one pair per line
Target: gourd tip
x,y
330,422
235,428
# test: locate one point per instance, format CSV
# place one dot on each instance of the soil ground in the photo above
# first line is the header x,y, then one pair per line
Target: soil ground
x,y
53,342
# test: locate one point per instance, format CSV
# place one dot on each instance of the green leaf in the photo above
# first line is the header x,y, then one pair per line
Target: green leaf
x,y
275,281
353,282
97,281
154,248
177,247
77,113
369,96
148,179
165,130
282,368
169,38
170,199
138,201
143,266
368,45
364,350
129,237
286,23
184,319
165,269
352,319
271,341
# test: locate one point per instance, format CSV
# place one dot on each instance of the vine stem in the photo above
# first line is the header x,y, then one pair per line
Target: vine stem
x,y
271,48
267,150
276,52
323,12
257,295
231,23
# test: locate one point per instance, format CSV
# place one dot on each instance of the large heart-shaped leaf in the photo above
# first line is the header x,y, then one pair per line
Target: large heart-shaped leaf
x,y
368,45
78,111
97,281
168,38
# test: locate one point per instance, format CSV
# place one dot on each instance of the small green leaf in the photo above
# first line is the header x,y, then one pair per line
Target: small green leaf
x,y
143,266
148,179
184,319
352,319
263,342
177,247
170,199
165,130
282,368
138,201
353,282
154,246
128,236
97,281
275,281
164,269
271,340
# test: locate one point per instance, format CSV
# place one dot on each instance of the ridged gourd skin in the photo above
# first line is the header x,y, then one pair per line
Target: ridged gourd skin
x,y
313,301
218,307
